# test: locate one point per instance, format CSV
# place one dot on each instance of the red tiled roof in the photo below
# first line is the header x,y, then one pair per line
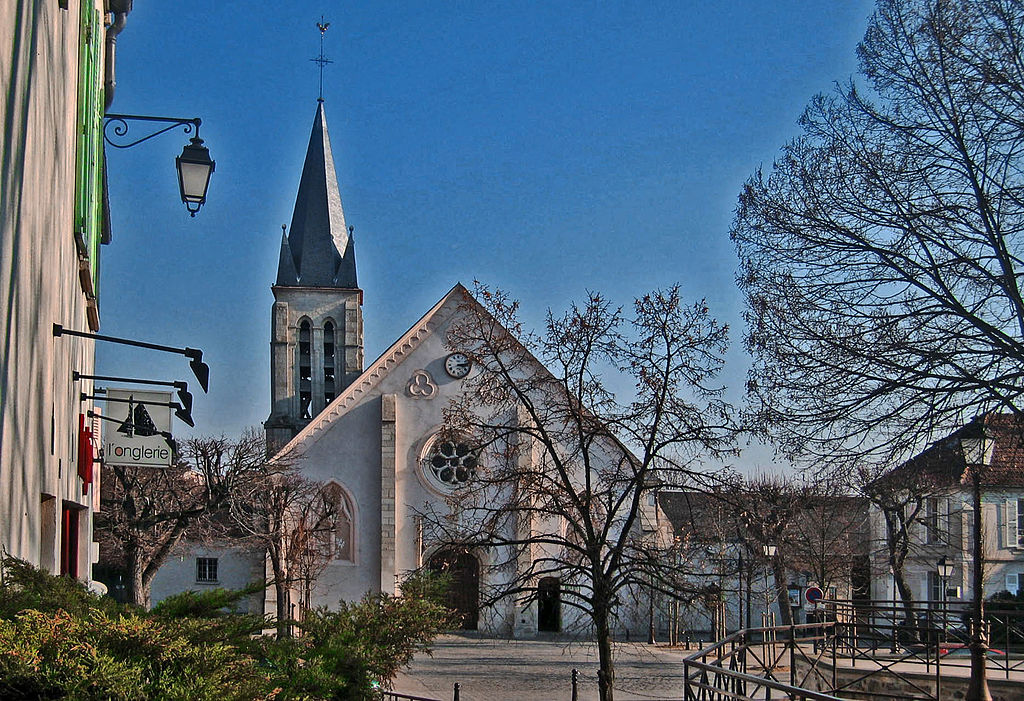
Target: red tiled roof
x,y
944,460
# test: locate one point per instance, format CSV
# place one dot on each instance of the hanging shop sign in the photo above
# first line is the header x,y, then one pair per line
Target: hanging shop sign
x,y
141,439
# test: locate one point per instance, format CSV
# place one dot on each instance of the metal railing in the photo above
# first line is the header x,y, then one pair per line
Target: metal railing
x,y
919,645
395,696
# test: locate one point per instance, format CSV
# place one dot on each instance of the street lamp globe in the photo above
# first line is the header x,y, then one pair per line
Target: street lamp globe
x,y
194,169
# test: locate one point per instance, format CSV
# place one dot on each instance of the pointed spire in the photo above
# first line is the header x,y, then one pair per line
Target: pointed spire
x,y
286,264
319,244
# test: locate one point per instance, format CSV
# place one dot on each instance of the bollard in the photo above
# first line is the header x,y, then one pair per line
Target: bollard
x,y
456,696
575,678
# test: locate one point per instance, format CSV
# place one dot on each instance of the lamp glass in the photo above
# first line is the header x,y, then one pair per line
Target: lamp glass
x,y
945,568
770,550
194,169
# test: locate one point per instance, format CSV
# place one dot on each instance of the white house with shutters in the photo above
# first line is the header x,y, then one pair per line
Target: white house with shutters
x,y
943,528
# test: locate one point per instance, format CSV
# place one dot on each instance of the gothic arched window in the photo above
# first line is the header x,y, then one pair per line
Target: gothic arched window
x,y
330,390
339,541
305,370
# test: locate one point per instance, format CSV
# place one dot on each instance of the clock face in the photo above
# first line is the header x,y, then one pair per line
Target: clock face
x,y
457,365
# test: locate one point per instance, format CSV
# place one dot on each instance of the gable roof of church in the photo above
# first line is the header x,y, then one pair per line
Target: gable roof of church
x,y
318,250
394,356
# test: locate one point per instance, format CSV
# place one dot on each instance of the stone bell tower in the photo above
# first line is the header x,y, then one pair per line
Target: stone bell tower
x,y
316,330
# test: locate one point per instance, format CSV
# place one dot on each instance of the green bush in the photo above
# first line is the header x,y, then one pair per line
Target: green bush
x,y
347,653
58,640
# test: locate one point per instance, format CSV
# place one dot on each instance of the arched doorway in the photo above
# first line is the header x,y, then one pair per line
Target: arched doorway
x,y
464,592
549,604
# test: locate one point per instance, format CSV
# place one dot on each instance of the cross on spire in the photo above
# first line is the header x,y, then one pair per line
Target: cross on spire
x,y
321,60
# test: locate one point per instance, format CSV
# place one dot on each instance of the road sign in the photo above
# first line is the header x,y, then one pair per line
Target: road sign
x,y
813,594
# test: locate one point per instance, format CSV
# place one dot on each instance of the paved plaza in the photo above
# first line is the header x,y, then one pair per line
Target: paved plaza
x,y
534,670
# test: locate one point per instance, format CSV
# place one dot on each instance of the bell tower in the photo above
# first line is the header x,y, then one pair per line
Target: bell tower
x,y
316,328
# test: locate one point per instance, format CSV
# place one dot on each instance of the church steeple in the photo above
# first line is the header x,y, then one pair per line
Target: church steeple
x,y
319,243
316,344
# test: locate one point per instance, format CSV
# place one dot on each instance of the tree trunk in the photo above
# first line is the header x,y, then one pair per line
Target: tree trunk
x,y
137,588
782,594
606,668
283,594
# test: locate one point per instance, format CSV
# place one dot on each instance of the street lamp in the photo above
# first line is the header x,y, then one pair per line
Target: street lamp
x,y
945,571
194,169
194,164
769,553
977,446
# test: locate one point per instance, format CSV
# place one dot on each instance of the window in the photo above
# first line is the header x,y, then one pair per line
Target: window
x,y
1013,523
338,540
206,570
1013,583
931,521
329,387
451,463
1020,523
934,586
305,371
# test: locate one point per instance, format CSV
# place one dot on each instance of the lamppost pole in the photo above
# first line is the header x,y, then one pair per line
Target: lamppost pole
x,y
977,446
945,571
769,553
739,590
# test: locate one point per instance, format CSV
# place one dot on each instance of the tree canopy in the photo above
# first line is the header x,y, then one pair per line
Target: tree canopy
x,y
880,256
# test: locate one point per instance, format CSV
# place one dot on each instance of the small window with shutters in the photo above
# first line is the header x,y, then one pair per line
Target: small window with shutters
x,y
1019,521
1011,523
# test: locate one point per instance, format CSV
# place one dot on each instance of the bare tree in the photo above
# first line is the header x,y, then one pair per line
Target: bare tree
x,y
767,508
566,470
881,257
902,498
830,533
290,518
147,511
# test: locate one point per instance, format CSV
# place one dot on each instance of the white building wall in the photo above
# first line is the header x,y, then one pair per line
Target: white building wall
x,y
1004,557
236,568
39,285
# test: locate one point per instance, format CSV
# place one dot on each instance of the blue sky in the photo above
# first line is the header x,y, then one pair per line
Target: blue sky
x,y
544,148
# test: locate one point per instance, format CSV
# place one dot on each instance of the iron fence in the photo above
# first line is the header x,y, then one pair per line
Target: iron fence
x,y
853,642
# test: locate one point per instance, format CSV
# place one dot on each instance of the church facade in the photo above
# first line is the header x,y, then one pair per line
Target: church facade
x,y
372,437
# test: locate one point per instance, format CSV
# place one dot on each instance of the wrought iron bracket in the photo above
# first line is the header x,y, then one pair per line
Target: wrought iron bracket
x,y
116,126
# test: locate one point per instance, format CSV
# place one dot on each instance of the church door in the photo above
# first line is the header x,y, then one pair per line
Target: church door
x,y
549,604
464,593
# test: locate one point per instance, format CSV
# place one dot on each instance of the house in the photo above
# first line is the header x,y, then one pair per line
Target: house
x,y
936,490
818,540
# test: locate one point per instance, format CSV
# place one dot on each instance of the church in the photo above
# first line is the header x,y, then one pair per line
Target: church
x,y
372,436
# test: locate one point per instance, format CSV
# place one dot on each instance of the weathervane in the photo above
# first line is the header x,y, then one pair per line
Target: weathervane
x,y
322,60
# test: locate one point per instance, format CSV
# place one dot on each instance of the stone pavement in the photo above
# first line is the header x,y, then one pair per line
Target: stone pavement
x,y
538,670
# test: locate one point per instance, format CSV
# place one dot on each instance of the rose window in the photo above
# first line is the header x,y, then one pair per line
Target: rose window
x,y
452,463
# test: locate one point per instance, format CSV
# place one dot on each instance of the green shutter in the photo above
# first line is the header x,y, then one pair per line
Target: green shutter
x,y
89,166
